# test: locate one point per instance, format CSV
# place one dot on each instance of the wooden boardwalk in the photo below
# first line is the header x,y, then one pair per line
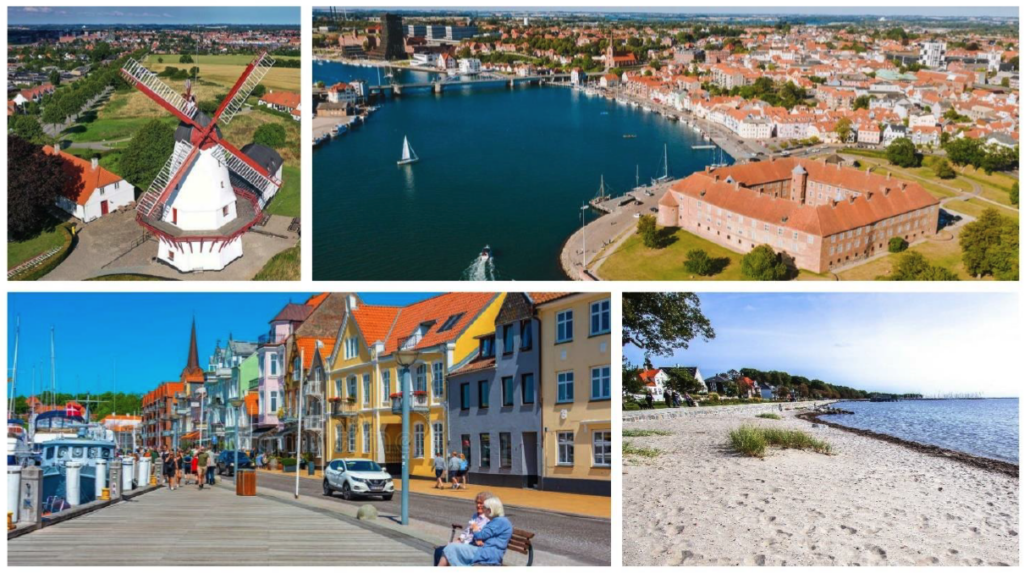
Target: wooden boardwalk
x,y
214,527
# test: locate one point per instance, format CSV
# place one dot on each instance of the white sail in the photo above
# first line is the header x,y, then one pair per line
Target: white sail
x,y
408,155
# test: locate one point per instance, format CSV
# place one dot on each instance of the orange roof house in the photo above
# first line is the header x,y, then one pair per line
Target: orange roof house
x,y
289,102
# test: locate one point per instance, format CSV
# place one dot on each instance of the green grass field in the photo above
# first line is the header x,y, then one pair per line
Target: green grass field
x,y
95,127
975,208
943,253
284,266
633,261
223,70
18,253
288,201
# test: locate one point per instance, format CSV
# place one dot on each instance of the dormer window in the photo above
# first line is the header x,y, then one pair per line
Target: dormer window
x,y
450,322
418,334
487,347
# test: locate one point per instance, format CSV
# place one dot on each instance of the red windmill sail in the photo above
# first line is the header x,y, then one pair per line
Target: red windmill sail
x,y
203,136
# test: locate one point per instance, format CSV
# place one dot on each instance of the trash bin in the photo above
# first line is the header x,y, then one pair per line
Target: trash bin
x,y
245,482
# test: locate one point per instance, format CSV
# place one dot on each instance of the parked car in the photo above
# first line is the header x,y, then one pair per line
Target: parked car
x,y
358,478
226,462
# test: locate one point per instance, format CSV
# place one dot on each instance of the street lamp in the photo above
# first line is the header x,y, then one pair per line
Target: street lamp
x,y
236,403
583,225
405,359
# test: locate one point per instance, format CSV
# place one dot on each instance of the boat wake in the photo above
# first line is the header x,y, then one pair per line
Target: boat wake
x,y
480,270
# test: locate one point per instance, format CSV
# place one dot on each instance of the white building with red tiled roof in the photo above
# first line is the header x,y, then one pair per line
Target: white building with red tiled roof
x,y
93,191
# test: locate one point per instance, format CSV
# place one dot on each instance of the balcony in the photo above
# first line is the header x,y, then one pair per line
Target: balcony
x,y
314,388
312,422
344,408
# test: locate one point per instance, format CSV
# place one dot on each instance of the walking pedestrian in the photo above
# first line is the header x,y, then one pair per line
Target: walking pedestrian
x,y
463,471
454,463
211,464
202,463
195,467
439,467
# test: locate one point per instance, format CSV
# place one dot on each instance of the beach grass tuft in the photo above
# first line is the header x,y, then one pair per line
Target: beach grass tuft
x,y
753,441
629,450
770,416
644,433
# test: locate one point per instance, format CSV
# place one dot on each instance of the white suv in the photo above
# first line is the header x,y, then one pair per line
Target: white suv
x,y
358,478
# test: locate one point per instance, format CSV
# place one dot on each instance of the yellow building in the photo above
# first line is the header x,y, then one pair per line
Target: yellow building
x,y
576,391
363,375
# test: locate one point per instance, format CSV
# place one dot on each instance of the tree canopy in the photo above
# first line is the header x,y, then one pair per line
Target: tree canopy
x,y
271,135
991,246
35,179
659,323
762,263
150,147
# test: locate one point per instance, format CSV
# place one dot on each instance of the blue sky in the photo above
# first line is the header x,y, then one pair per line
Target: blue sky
x,y
152,15
918,342
146,334
1003,11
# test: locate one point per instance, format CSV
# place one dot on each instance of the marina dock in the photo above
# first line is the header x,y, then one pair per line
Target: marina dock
x,y
214,527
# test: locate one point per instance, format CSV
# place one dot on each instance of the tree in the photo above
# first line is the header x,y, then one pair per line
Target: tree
x,y
991,246
1015,193
160,60
647,228
631,383
659,323
185,59
271,135
844,129
699,263
27,127
764,264
862,102
35,179
965,151
902,153
100,52
682,381
149,149
943,169
53,116
54,77
897,245
260,90
912,266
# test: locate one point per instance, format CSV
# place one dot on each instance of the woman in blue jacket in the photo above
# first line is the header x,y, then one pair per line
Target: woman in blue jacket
x,y
488,545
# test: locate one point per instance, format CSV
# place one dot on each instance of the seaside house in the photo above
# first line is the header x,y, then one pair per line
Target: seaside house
x,y
365,376
494,414
575,344
654,381
692,371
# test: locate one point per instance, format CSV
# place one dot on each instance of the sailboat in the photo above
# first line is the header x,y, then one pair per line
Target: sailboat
x,y
408,155
665,176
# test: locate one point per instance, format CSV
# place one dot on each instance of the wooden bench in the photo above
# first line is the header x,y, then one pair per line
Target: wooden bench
x,y
519,543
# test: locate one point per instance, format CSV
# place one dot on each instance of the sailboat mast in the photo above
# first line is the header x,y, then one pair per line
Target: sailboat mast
x,y
53,373
14,372
666,161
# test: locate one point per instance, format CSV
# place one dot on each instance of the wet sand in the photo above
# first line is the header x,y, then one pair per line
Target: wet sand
x,y
873,502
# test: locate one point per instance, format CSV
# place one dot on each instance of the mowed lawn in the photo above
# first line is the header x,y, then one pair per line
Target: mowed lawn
x,y
975,208
633,261
284,266
288,201
18,253
943,253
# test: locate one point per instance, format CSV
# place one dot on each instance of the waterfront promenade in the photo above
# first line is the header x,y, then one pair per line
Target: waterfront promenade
x,y
212,527
605,233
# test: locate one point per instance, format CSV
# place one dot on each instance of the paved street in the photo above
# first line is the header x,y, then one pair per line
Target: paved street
x,y
581,539
214,527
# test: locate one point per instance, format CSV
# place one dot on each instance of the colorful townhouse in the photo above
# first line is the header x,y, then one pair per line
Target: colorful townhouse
x,y
305,382
364,375
272,355
575,367
494,406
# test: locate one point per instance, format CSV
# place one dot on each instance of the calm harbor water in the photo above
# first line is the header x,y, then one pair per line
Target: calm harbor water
x,y
987,428
499,167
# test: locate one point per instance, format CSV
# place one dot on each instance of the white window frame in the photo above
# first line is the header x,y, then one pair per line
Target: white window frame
x,y
602,447
417,441
603,315
564,321
565,379
366,389
566,442
352,438
366,437
437,379
438,434
603,379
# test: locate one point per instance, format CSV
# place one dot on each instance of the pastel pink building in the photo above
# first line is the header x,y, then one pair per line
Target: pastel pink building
x,y
822,215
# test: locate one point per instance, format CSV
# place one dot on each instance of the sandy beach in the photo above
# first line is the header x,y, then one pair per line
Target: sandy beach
x,y
869,503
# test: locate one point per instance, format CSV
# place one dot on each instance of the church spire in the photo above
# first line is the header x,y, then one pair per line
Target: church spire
x,y
192,372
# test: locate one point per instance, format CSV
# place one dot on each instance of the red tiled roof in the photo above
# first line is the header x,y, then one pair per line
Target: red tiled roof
x,y
543,297
821,220
289,100
375,322
87,179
